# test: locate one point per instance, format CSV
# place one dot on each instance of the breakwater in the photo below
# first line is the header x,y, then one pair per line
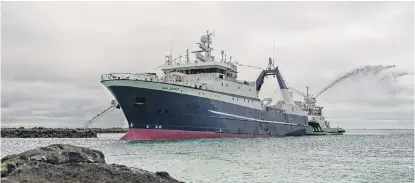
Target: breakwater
x,y
39,132
109,130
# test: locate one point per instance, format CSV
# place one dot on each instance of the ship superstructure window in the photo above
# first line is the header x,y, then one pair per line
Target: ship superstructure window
x,y
204,70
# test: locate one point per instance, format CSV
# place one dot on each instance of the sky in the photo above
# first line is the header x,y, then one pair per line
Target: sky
x,y
53,54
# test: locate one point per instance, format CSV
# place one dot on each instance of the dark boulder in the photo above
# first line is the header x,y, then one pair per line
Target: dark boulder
x,y
67,163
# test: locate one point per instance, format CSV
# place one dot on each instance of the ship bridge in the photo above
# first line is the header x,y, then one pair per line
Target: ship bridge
x,y
219,69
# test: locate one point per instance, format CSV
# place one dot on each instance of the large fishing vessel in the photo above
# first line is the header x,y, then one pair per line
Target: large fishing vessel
x,y
202,99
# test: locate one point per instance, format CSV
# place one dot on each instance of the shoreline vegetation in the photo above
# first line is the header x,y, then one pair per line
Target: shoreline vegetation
x,y
41,132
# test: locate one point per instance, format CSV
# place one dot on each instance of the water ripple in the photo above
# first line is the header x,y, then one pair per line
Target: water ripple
x,y
357,156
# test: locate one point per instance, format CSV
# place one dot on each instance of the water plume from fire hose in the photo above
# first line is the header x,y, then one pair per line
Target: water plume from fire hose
x,y
364,69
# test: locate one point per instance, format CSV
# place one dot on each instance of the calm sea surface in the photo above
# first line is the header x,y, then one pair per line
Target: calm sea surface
x,y
357,156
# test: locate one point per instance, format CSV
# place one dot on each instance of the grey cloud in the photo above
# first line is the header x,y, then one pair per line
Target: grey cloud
x,y
53,53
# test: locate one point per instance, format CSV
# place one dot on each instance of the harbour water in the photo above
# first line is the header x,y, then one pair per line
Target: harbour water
x,y
357,156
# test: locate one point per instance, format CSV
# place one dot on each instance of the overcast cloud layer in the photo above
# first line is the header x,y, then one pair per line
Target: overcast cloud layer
x,y
53,54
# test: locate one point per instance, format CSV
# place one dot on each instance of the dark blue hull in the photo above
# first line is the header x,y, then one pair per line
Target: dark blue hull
x,y
162,110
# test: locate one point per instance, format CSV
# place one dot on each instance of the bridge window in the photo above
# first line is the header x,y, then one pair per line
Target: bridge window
x,y
206,70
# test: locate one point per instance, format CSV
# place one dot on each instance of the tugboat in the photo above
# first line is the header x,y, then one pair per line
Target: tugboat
x,y
202,99
317,124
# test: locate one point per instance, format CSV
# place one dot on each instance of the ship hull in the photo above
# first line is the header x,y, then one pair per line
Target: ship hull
x,y
155,114
314,128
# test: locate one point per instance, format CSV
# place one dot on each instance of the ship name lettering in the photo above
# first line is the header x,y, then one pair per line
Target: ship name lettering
x,y
171,88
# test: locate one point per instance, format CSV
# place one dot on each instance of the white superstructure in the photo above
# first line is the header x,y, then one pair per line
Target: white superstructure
x,y
218,78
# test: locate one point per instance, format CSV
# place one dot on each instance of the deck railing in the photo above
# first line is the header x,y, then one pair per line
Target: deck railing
x,y
177,80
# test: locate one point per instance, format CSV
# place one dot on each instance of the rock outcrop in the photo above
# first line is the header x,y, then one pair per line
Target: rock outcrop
x,y
67,163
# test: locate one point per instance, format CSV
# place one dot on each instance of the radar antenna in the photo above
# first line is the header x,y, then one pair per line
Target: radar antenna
x,y
204,44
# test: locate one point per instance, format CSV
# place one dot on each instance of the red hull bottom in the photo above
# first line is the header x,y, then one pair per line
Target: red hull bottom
x,y
160,134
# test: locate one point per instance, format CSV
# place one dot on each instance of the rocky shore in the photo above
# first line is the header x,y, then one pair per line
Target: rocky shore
x,y
39,132
109,130
67,163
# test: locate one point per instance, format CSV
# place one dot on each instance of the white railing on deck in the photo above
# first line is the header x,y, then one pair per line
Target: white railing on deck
x,y
153,78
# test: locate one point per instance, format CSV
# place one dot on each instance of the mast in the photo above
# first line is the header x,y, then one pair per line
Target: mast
x,y
204,44
171,50
187,56
273,56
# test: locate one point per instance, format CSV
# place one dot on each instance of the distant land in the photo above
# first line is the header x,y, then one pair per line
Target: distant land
x,y
98,130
